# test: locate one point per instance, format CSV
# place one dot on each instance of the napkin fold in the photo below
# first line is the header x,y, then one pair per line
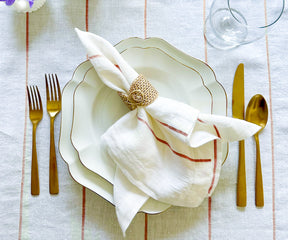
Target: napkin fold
x,y
167,150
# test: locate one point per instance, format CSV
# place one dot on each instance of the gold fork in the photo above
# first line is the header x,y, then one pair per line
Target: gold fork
x,y
53,94
35,114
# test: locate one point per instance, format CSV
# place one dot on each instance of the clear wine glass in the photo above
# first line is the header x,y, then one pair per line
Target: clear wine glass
x,y
231,23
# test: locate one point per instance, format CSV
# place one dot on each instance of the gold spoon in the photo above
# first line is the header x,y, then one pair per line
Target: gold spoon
x,y
257,112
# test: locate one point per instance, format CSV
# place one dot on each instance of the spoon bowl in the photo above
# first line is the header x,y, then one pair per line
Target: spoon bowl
x,y
257,112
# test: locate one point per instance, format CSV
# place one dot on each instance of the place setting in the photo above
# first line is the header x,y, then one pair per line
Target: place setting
x,y
145,119
145,126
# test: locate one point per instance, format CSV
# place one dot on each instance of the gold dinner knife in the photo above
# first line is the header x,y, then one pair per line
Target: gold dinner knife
x,y
238,109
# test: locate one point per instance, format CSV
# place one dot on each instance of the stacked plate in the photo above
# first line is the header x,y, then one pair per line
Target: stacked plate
x,y
89,108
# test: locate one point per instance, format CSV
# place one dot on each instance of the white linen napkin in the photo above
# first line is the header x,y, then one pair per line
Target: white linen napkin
x,y
167,150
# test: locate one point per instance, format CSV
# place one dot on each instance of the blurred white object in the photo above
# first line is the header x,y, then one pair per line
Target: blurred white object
x,y
23,5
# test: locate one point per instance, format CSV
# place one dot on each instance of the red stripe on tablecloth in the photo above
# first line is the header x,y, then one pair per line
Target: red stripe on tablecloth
x,y
83,188
83,212
272,130
86,15
167,144
209,218
145,19
146,227
206,60
25,130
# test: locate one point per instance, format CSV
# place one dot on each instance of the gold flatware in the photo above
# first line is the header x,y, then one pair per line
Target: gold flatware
x,y
238,107
35,114
53,94
257,112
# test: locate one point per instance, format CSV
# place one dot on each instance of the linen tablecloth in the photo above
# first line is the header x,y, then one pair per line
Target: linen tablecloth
x,y
45,42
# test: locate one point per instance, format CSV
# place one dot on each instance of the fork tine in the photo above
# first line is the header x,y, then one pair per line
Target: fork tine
x,y
39,98
47,88
32,98
36,99
58,88
29,98
51,91
54,88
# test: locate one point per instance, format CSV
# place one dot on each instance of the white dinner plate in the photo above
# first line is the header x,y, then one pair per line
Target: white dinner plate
x,y
173,73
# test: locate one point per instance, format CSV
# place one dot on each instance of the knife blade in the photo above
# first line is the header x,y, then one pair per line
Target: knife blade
x,y
238,111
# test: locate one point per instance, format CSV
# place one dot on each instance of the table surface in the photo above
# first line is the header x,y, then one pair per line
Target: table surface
x,y
45,42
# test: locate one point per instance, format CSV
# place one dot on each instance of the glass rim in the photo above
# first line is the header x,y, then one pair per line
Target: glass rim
x,y
265,26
